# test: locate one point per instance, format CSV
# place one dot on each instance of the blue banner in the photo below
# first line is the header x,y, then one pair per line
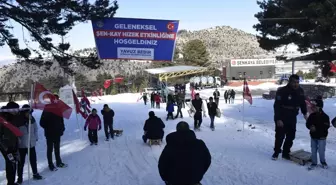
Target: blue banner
x,y
135,39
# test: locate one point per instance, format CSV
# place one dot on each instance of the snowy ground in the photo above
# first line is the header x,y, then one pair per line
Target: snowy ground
x,y
238,158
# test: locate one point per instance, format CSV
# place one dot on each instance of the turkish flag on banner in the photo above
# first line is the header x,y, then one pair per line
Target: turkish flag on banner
x,y
246,92
107,83
78,109
11,127
46,101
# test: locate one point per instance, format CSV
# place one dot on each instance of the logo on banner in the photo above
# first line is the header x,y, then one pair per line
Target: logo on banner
x,y
100,24
170,26
233,63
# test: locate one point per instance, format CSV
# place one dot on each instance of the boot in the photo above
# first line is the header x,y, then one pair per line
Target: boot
x,y
37,177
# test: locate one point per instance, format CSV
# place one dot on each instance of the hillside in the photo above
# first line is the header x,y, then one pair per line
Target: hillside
x,y
222,42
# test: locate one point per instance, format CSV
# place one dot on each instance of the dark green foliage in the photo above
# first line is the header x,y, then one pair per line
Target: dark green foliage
x,y
53,84
46,18
195,53
310,24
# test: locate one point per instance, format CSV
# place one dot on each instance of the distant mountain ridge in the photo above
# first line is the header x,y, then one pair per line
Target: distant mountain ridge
x,y
223,42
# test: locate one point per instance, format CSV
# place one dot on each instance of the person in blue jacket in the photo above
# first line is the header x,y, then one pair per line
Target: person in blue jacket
x,y
170,109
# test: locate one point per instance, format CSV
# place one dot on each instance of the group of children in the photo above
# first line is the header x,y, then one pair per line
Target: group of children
x,y
93,123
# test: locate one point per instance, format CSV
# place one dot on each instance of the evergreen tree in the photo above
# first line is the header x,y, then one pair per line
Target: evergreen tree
x,y
44,19
309,24
195,53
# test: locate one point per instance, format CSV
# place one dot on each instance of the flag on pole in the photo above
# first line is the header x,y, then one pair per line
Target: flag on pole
x,y
107,83
45,100
246,92
193,93
77,105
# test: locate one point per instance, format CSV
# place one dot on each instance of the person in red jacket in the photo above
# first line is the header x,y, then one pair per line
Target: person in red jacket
x,y
157,100
94,124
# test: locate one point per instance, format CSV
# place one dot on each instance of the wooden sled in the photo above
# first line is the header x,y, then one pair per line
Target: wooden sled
x,y
154,142
300,157
117,132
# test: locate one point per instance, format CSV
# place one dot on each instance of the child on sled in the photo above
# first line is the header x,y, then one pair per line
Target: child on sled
x,y
318,123
94,124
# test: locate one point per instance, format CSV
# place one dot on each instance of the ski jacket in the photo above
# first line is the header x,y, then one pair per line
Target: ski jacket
x,y
108,116
153,128
52,124
321,122
93,121
212,108
185,159
24,128
216,94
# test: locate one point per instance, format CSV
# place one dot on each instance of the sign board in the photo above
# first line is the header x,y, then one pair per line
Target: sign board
x,y
254,62
135,39
66,95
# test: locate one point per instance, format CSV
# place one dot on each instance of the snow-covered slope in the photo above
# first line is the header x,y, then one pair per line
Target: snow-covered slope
x,y
238,158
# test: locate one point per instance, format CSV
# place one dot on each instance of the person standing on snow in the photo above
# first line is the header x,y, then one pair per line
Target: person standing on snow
x,y
94,124
108,115
185,159
54,128
157,100
9,143
212,111
170,110
144,97
152,99
232,96
216,95
179,102
288,100
197,105
226,96
23,144
318,123
153,128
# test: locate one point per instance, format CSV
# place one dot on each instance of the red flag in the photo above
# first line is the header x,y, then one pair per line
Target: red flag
x,y
193,93
333,67
107,83
11,127
85,98
118,79
45,100
77,105
246,92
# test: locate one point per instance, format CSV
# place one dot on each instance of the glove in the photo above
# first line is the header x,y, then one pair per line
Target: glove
x,y
84,128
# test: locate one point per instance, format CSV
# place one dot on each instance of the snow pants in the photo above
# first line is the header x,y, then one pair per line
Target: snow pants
x,y
32,159
287,133
92,134
11,164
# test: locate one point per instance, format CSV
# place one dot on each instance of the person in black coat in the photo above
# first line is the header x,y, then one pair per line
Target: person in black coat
x,y
197,105
9,142
185,159
108,115
54,128
153,128
318,123
212,111
152,99
216,95
288,100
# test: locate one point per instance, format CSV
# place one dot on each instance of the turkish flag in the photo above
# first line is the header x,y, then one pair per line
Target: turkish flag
x,y
85,98
246,92
118,80
11,127
78,109
46,101
107,83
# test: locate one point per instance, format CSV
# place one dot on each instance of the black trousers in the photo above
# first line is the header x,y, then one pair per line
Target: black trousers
x,y
179,111
170,114
197,119
10,165
108,129
53,145
287,133
93,136
32,159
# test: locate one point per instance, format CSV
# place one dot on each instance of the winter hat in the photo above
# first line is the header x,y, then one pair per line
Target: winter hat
x,y
151,114
26,106
319,103
182,126
12,105
294,77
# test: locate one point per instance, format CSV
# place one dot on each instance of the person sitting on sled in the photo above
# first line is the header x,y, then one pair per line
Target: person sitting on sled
x,y
153,128
185,159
